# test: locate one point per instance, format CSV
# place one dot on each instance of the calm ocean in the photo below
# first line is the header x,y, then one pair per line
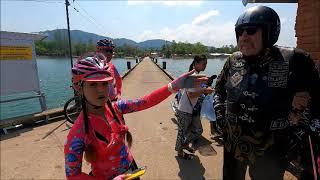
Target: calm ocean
x,y
54,75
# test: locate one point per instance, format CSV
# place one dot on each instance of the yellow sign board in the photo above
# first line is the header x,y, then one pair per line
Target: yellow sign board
x,y
15,53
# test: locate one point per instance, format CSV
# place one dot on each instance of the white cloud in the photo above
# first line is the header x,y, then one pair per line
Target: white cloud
x,y
167,3
205,17
283,20
132,2
115,21
287,32
199,30
205,29
185,3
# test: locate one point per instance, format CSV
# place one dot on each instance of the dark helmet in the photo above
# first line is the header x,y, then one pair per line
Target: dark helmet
x,y
105,44
264,17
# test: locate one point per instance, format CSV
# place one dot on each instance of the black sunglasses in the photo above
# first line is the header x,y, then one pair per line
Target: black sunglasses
x,y
109,51
249,30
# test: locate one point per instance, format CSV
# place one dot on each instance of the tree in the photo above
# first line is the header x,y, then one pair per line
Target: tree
x,y
41,48
59,47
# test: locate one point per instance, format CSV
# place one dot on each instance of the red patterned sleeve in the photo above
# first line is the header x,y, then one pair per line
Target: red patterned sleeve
x,y
73,152
152,99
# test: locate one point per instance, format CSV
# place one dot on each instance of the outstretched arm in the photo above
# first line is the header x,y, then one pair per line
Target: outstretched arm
x,y
157,96
152,99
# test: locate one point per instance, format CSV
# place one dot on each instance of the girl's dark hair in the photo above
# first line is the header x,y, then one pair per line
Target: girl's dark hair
x,y
197,59
129,138
89,153
85,114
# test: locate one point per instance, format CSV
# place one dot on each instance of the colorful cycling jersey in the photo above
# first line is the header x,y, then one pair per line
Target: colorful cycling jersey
x,y
117,80
113,156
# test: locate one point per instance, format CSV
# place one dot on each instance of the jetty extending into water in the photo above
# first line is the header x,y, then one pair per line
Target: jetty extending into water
x,y
26,154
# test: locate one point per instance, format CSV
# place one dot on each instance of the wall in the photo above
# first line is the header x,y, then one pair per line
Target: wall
x,y
308,27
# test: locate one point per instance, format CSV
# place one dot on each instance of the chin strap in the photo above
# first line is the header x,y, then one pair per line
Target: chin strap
x,y
94,106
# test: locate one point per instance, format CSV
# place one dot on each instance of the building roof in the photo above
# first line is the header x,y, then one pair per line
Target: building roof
x,y
245,2
20,36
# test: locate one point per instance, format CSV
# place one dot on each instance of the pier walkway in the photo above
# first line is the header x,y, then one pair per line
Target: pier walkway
x,y
154,131
25,155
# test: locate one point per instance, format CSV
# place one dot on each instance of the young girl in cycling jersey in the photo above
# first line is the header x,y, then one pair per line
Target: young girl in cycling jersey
x,y
99,132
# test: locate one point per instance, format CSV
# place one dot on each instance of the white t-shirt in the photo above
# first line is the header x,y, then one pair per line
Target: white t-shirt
x,y
184,104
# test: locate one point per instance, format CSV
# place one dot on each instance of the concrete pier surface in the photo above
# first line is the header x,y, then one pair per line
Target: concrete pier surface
x,y
25,155
155,131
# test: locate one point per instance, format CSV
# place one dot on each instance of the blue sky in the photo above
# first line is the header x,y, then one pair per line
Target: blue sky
x,y
210,22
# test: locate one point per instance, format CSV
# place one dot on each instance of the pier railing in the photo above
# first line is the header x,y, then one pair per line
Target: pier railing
x,y
47,115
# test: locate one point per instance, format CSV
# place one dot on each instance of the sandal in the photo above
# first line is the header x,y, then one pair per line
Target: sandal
x,y
185,155
190,149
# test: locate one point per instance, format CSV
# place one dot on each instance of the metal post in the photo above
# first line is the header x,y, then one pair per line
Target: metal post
x,y
43,104
128,64
77,102
69,36
164,65
137,60
156,61
42,101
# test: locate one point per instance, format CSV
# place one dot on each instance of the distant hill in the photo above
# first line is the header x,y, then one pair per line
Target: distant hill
x,y
76,35
85,37
123,41
154,43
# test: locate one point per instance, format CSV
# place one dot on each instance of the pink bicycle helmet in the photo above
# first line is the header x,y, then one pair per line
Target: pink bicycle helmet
x,y
90,67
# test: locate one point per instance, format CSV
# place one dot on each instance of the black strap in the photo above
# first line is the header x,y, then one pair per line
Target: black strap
x,y
189,99
113,111
101,137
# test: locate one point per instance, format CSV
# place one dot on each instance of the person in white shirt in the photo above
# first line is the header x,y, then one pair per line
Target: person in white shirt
x,y
189,126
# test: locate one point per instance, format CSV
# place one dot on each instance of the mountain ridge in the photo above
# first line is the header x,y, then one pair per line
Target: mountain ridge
x,y
79,36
